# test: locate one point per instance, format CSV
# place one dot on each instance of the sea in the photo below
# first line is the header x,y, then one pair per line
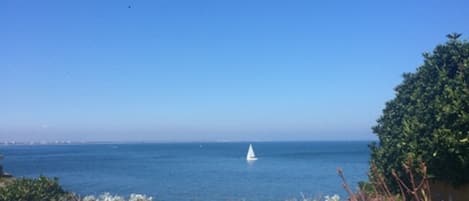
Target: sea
x,y
196,171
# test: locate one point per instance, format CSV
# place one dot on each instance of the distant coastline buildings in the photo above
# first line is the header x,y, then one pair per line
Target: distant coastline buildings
x,y
57,142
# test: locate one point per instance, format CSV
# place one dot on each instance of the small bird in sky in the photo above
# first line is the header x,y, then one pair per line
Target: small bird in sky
x,y
129,6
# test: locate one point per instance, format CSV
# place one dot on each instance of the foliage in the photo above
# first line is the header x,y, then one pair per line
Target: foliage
x,y
40,189
45,189
378,190
428,120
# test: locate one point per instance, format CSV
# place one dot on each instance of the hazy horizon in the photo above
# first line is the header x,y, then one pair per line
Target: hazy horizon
x,y
209,70
67,142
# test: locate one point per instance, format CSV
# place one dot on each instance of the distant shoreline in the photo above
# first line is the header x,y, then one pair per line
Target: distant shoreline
x,y
171,142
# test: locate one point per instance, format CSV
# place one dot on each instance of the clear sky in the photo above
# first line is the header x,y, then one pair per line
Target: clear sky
x,y
170,70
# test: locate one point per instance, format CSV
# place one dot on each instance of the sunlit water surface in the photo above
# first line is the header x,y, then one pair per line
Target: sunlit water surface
x,y
195,171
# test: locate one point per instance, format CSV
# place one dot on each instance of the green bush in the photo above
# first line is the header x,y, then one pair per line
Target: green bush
x,y
428,120
40,189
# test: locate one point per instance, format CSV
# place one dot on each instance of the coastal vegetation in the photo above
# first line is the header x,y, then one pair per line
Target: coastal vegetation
x,y
428,120
42,188
423,132
47,189
377,188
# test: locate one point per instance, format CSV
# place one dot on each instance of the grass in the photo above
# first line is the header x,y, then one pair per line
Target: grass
x,y
417,189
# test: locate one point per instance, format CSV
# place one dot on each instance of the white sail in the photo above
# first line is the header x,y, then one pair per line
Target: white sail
x,y
251,156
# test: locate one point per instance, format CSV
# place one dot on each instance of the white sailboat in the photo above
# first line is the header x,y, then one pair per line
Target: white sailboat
x,y
251,156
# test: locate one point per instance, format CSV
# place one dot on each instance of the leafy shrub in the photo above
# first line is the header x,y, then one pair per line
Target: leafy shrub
x,y
40,189
428,120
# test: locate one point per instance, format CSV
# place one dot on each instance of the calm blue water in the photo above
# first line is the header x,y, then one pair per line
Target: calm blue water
x,y
195,171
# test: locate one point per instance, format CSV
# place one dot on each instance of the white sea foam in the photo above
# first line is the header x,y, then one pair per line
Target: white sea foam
x,y
140,197
325,198
110,197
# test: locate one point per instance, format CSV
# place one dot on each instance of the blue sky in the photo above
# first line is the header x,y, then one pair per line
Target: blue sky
x,y
209,70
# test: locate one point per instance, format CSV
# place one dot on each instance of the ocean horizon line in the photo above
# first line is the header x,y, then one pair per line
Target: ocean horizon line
x,y
97,142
